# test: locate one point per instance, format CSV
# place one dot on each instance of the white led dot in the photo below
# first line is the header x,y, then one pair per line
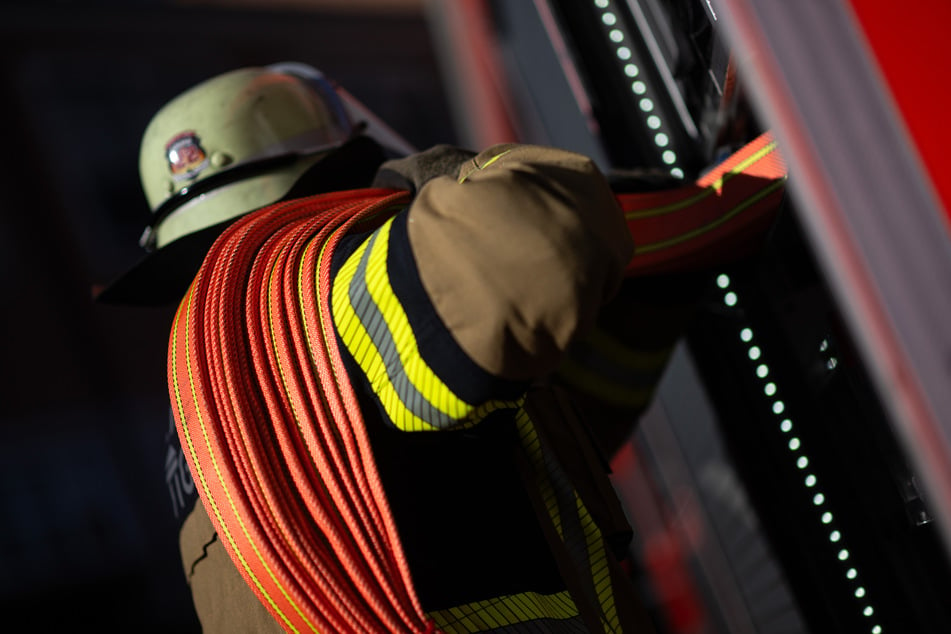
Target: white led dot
x,y
609,18
669,157
762,370
810,480
851,573
639,87
755,353
794,444
860,592
827,518
630,70
802,462
746,334
843,555
877,629
730,299
653,122
616,35
677,172
661,139
723,280
868,611
835,536
818,499
786,425
646,104
769,389
624,53
778,407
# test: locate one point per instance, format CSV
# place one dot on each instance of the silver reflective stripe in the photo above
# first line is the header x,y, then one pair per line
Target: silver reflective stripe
x,y
379,332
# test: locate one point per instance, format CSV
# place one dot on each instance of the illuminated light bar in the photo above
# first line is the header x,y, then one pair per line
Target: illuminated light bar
x,y
770,388
617,34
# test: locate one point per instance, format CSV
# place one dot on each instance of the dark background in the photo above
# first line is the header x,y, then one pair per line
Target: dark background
x,y
88,536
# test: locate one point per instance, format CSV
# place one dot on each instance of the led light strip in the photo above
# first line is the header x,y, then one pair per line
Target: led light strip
x,y
618,35
810,481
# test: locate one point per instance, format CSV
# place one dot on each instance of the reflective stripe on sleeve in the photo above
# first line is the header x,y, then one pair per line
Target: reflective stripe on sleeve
x,y
375,329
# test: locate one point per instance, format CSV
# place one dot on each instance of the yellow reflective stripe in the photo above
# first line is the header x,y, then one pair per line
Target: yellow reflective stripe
x,y
744,164
585,379
533,447
505,611
373,325
463,177
606,368
614,351
595,554
600,573
186,432
707,191
690,235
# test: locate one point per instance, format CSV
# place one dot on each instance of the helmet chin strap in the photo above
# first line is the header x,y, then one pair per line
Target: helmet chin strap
x,y
239,172
215,181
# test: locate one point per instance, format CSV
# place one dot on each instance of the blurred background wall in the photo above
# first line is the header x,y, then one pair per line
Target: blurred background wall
x,y
88,534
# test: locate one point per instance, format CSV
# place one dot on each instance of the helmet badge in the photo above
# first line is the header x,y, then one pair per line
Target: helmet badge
x,y
186,157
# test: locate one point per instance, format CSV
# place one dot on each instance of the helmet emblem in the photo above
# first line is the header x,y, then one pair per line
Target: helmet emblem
x,y
186,157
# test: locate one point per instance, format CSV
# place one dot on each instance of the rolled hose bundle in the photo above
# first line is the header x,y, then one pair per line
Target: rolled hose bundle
x,y
271,427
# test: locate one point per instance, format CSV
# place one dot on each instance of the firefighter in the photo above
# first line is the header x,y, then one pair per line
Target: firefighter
x,y
438,291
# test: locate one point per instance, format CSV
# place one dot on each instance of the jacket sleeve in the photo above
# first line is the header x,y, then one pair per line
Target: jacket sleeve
x,y
518,254
452,306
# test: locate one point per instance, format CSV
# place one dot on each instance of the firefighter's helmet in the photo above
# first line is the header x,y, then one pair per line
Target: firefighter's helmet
x,y
234,143
230,145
